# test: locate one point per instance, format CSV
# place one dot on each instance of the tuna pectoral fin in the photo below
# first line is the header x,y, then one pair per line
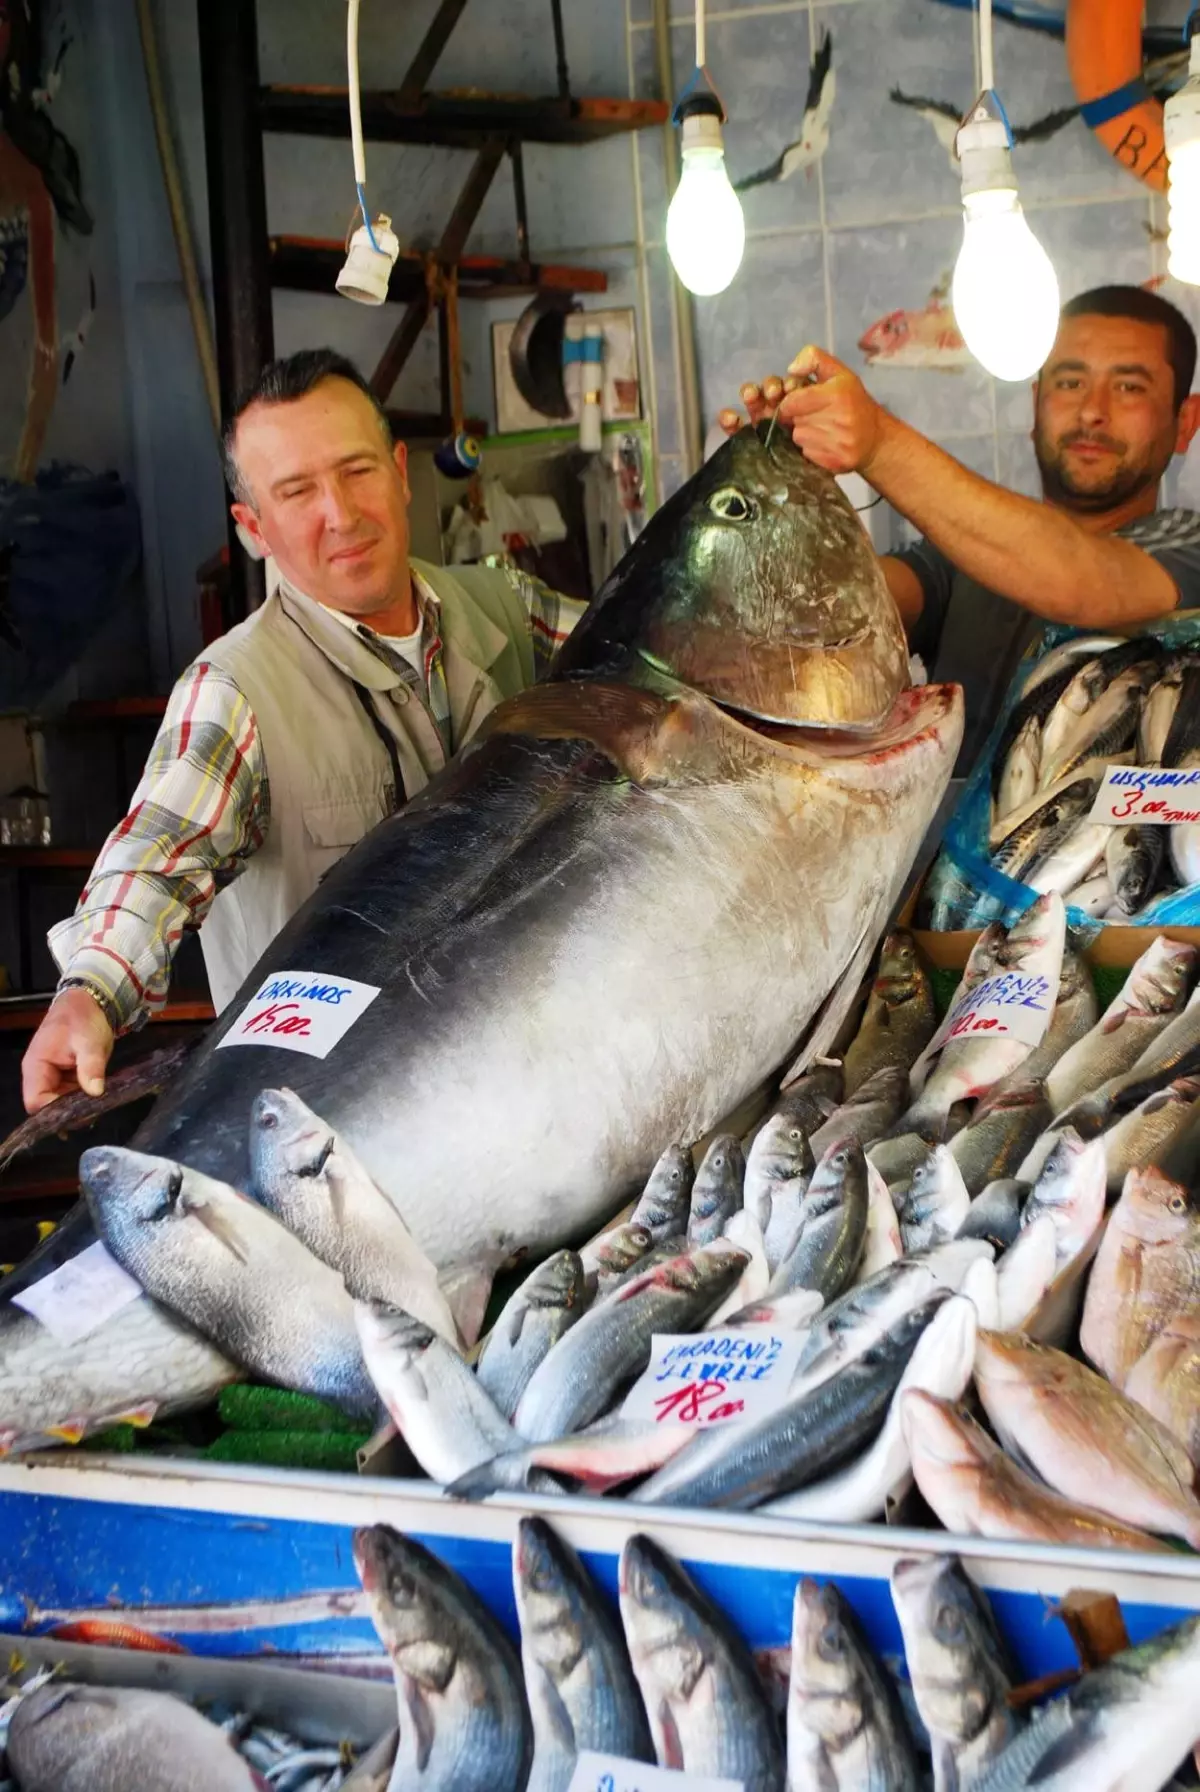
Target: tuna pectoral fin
x,y
620,719
467,1292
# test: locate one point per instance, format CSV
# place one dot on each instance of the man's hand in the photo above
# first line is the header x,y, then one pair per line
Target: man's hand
x,y
70,1050
832,417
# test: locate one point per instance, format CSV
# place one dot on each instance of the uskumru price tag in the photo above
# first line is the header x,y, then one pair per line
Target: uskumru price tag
x,y
613,1773
1150,796
716,1377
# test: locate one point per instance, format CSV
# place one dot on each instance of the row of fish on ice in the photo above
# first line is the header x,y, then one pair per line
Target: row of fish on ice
x,y
1091,703
670,1681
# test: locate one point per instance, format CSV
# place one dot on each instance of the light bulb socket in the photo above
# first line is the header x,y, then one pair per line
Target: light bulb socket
x,y
699,99
983,144
1181,113
369,264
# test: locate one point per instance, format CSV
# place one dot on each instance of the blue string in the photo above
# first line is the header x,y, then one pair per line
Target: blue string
x,y
1003,114
362,202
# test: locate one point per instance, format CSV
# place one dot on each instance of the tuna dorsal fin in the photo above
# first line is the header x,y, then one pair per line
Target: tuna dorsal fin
x,y
621,719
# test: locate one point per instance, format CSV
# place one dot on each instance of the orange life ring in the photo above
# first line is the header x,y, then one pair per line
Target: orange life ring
x,y
1104,56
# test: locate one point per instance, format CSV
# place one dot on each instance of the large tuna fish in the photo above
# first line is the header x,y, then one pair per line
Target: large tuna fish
x,y
615,913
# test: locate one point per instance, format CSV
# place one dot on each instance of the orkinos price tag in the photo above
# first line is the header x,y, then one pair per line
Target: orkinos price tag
x,y
302,1011
714,1378
612,1773
1151,796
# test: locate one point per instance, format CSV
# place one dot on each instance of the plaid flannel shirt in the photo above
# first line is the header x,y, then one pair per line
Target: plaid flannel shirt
x,y
202,808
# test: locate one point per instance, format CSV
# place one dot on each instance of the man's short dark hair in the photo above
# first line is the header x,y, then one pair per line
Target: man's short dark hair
x,y
1145,308
280,382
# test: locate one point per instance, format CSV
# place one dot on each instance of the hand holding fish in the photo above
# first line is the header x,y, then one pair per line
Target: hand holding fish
x,y
832,417
70,1050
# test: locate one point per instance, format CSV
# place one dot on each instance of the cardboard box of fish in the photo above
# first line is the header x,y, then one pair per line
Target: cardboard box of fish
x,y
624,1694
1089,786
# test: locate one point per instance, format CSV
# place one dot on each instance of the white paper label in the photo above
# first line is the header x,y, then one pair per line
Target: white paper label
x,y
75,1299
613,1773
714,1378
1009,1005
302,1011
1151,796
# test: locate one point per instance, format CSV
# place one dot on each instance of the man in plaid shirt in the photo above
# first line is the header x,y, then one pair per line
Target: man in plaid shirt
x,y
291,736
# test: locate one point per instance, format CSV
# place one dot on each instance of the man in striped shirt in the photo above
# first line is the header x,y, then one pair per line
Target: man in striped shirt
x,y
291,736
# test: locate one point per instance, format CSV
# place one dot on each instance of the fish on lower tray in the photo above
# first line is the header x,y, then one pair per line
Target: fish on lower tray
x,y
66,1737
226,1266
935,1203
960,1671
541,1311
717,1190
706,1704
578,1676
832,1226
779,1160
846,1731
464,1718
663,1205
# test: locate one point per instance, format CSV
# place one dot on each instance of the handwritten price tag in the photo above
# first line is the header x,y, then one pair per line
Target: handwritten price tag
x,y
1006,1005
713,1378
612,1773
1150,796
302,1011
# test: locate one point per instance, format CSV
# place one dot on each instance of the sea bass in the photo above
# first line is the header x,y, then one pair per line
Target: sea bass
x,y
1154,990
960,1672
899,1019
578,1676
707,1708
315,1186
542,1310
464,1720
222,1263
845,1728
728,725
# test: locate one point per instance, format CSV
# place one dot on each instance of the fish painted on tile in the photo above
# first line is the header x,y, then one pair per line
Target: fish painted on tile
x,y
925,338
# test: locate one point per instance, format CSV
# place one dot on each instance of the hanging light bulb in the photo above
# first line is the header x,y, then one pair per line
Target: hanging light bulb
x,y
706,232
1005,292
1181,131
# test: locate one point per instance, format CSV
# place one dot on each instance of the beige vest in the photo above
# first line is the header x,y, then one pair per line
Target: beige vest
x,y
330,771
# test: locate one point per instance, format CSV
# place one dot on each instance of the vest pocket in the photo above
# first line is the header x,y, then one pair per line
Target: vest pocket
x,y
342,824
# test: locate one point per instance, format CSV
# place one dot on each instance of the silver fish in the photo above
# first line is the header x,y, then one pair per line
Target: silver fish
x,y
1019,778
899,1019
608,1259
1141,1138
999,1136
717,1190
1173,1051
464,1720
664,1203
612,1450
542,1310
308,1177
1127,1724
1071,1189
228,1268
1158,712
935,1203
845,1729
578,1676
995,1213
707,1708
783,1222
1109,725
611,1343
70,1738
1076,1012
869,1113
812,1096
1031,842
779,1155
437,1403
1155,989
737,1467
833,1226
959,1668
1071,861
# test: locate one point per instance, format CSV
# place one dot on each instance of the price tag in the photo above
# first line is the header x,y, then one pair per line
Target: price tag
x,y
1008,1005
714,1378
1151,796
76,1299
613,1773
302,1011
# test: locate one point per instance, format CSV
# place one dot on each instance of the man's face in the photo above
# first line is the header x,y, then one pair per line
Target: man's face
x,y
330,496
1105,418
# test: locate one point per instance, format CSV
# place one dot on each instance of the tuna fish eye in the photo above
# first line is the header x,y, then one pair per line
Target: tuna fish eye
x,y
732,505
1177,1204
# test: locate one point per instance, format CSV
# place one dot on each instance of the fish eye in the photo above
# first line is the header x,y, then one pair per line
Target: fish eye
x,y
1177,1204
172,1189
949,1622
732,505
832,1646
795,1133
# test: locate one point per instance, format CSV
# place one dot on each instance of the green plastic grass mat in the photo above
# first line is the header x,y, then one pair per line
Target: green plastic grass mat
x,y
336,1450
245,1407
